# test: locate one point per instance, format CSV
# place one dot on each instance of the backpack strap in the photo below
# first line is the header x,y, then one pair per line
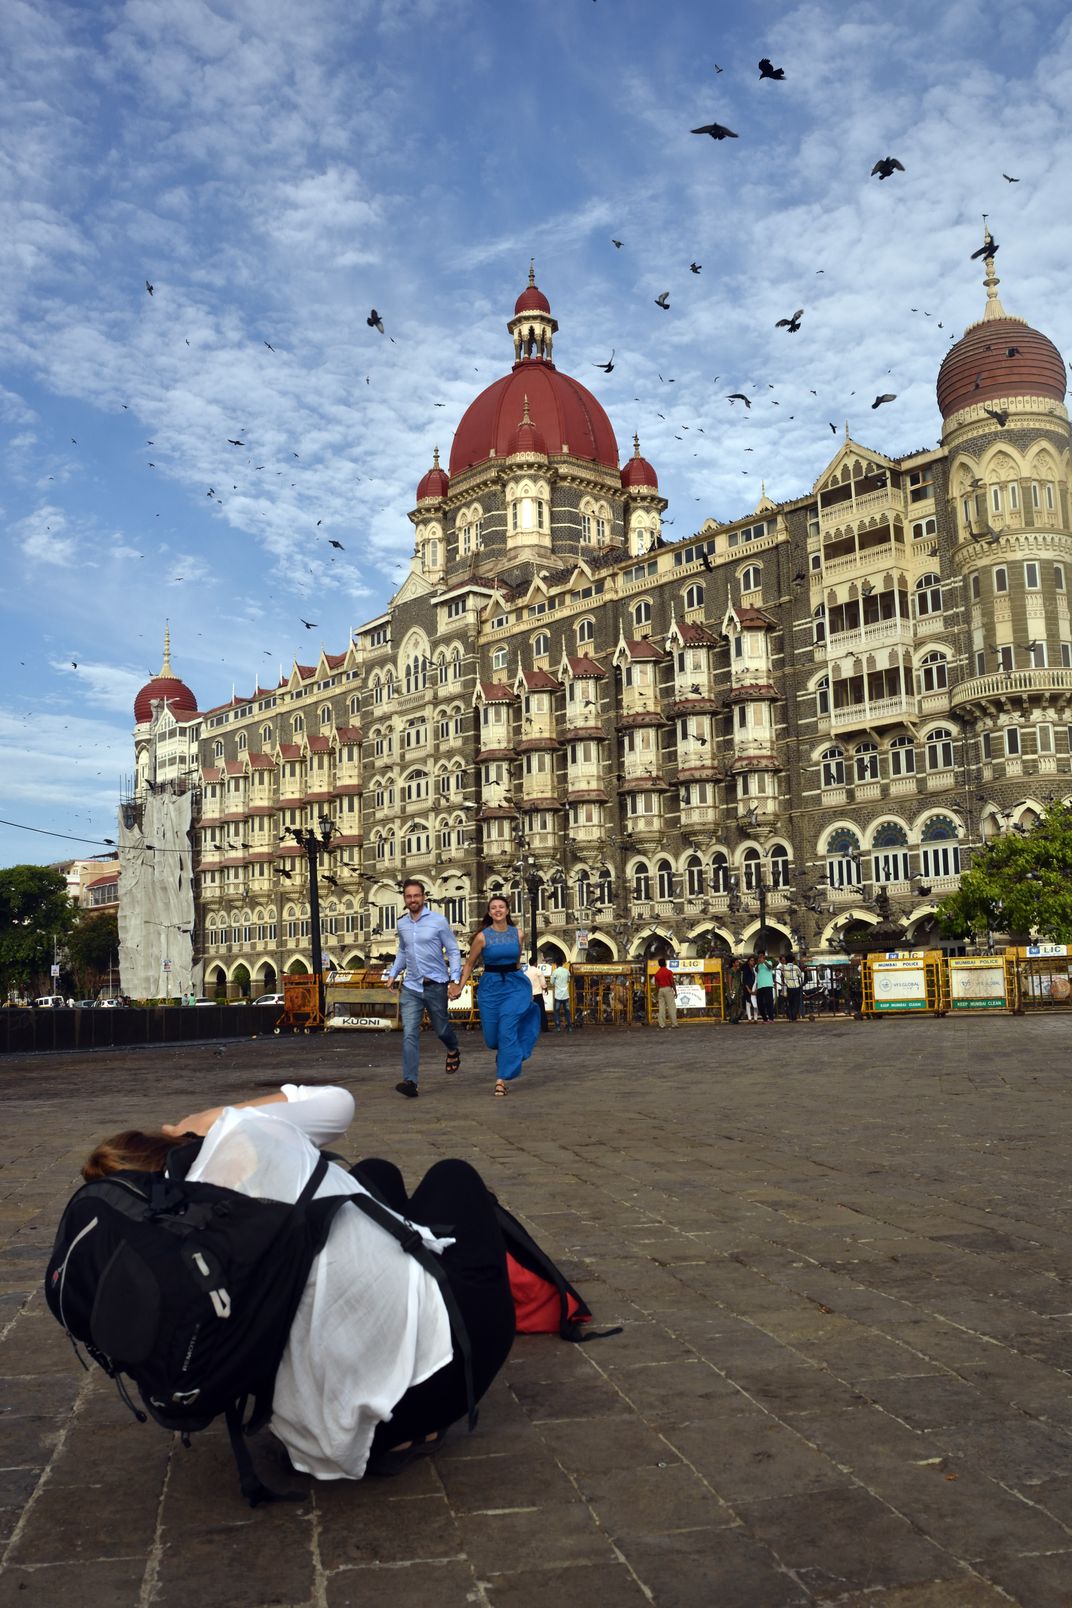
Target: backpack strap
x,y
411,1242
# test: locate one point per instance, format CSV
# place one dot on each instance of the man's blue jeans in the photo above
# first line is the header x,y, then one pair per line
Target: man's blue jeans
x,y
562,1010
412,1006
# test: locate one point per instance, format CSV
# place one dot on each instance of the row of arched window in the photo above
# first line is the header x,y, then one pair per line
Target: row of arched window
x,y
862,763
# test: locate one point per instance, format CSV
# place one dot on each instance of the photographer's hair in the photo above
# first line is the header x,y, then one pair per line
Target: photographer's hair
x,y
413,882
129,1151
486,919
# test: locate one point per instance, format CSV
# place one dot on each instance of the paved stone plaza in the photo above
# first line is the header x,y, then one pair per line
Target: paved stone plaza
x,y
843,1259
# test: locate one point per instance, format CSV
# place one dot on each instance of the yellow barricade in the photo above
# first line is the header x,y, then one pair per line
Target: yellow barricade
x,y
1043,976
910,982
701,995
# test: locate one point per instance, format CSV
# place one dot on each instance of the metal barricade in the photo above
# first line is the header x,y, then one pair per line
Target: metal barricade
x,y
1044,976
979,983
361,1001
609,995
301,1004
907,983
699,987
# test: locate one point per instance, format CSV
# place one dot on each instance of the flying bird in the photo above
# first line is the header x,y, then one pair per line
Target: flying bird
x,y
374,321
231,442
718,69
885,166
616,244
608,367
716,130
887,396
1012,351
333,543
1009,178
739,396
708,563
833,427
694,267
989,248
149,287
767,70
310,625
999,415
791,324
269,345
663,300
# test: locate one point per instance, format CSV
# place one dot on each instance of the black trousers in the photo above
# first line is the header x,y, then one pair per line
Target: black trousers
x,y
765,996
452,1199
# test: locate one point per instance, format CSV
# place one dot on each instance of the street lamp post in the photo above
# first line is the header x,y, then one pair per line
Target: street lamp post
x,y
313,846
760,889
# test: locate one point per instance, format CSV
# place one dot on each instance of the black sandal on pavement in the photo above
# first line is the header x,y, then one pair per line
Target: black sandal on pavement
x,y
407,1087
454,1060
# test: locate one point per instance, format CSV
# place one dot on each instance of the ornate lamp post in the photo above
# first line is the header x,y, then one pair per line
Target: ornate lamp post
x,y
313,846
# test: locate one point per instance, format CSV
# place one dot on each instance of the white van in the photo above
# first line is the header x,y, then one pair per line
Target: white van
x,y
50,1002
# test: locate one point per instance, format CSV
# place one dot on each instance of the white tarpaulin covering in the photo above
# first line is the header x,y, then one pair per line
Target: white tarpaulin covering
x,y
156,910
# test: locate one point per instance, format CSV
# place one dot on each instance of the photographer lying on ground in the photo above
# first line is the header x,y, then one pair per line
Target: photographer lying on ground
x,y
370,1378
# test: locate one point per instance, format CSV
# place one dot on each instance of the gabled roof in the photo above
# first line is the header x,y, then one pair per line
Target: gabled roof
x,y
540,681
754,620
289,751
697,636
496,692
212,773
581,666
319,744
261,761
348,734
641,648
234,767
333,660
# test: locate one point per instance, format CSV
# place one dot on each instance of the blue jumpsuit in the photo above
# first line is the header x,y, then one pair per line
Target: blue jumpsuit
x,y
509,1015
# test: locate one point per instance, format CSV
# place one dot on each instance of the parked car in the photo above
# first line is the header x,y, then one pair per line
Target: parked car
x,y
85,1004
268,999
50,1002
210,1002
113,1002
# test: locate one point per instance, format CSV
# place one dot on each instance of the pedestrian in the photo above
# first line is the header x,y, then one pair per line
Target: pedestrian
x,y
856,985
764,986
793,978
665,994
428,954
509,1015
779,988
748,988
560,992
538,983
370,1378
734,991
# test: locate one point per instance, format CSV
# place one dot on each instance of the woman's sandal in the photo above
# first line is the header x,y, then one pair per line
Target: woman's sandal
x,y
454,1060
500,1087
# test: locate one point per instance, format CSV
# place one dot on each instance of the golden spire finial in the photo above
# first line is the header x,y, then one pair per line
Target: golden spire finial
x,y
636,445
435,457
532,270
165,668
525,415
993,308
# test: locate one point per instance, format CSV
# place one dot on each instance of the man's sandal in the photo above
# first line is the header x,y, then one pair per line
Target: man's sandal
x,y
500,1087
454,1060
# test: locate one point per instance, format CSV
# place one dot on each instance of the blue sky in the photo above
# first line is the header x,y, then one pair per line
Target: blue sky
x,y
275,171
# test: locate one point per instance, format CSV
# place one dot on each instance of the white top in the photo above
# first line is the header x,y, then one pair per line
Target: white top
x,y
371,1322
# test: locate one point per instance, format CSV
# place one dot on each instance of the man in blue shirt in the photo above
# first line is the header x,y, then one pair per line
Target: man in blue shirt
x,y
428,954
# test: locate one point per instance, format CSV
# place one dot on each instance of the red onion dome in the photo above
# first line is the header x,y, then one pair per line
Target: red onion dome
x,y
638,471
563,412
164,687
999,357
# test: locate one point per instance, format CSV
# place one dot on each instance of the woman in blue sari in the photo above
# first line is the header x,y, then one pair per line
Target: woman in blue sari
x,y
509,1016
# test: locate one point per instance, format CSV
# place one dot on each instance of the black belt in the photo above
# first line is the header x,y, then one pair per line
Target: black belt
x,y
440,982
502,969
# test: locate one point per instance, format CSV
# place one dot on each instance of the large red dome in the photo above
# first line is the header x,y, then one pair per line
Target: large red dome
x,y
565,414
979,368
180,700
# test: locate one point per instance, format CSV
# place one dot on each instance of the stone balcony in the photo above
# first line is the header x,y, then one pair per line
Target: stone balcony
x,y
833,515
876,712
999,687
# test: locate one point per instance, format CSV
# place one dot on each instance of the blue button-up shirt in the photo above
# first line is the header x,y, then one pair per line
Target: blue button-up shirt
x,y
421,946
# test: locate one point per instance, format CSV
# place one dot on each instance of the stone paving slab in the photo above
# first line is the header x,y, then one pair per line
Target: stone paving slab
x,y
841,1254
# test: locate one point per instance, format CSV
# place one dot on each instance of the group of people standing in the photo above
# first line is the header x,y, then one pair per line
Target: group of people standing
x,y
758,983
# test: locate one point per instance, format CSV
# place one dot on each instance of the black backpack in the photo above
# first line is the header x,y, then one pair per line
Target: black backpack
x,y
190,1290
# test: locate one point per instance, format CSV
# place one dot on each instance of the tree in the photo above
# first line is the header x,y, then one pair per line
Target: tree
x,y
35,914
1019,884
92,946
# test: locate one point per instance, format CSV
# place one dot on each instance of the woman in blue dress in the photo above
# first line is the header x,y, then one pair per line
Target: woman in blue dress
x,y
509,1016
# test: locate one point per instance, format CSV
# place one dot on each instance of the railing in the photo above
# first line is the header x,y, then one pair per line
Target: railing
x,y
872,502
994,686
878,709
897,629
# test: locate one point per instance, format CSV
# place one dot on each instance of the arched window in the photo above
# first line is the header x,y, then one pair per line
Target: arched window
x,y
750,867
217,749
377,691
694,596
902,757
541,645
456,667
819,624
928,595
355,705
584,890
940,851
865,762
694,880
752,579
889,853
822,697
418,839
605,887
298,723
586,631
833,762
779,866
642,612
266,735
933,673
441,669
664,874
720,872
843,858
940,749
499,659
242,742
641,882
416,786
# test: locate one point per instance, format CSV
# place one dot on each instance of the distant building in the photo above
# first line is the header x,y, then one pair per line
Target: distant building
x,y
92,883
780,714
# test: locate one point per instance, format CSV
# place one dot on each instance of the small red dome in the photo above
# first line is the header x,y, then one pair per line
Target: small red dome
x,y
527,437
638,471
180,700
979,369
565,415
532,300
436,483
